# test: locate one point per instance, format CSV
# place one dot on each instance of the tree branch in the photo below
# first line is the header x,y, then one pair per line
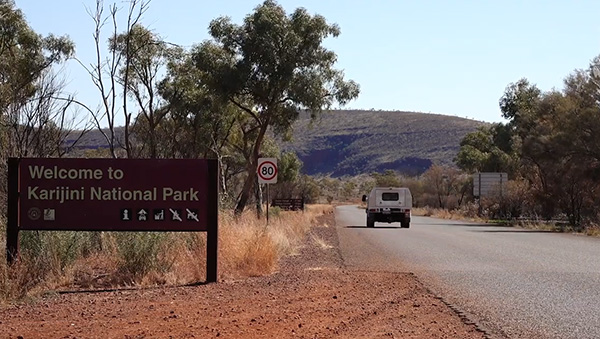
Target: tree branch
x,y
246,109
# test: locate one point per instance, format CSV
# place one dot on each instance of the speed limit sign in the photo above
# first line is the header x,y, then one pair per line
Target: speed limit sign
x,y
267,170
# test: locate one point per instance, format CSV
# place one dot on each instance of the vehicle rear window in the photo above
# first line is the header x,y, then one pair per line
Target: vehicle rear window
x,y
389,196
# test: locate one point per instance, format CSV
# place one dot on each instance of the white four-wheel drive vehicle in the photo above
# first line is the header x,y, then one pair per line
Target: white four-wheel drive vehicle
x,y
389,204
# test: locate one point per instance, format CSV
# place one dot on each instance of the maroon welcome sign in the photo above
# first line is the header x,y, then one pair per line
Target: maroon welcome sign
x,y
113,195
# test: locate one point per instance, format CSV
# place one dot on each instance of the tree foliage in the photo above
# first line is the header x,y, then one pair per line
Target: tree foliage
x,y
551,140
443,183
270,67
388,178
144,56
489,149
24,56
36,117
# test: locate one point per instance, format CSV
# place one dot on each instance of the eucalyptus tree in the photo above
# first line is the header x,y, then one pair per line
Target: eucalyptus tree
x,y
33,107
36,115
145,55
557,137
24,56
270,67
488,149
199,124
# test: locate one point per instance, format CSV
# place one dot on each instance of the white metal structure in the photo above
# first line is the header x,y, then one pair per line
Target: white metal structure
x,y
485,183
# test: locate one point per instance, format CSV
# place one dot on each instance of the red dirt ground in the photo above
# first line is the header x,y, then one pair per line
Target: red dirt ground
x,y
312,296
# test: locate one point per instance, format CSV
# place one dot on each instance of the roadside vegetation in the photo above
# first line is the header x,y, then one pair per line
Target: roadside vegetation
x,y
549,147
248,247
227,98
446,192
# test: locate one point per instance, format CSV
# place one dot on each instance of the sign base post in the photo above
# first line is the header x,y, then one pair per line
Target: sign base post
x,y
12,225
212,234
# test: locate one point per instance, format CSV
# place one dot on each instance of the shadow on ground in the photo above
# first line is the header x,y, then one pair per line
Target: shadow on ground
x,y
471,225
514,231
383,227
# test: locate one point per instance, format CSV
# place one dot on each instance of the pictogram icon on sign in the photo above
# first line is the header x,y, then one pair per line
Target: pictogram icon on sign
x,y
192,215
49,214
267,170
34,213
159,214
142,215
126,214
175,214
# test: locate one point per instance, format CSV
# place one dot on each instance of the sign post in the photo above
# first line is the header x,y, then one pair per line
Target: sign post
x,y
485,183
267,174
162,195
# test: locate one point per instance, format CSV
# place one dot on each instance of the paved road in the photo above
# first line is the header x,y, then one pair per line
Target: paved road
x,y
516,283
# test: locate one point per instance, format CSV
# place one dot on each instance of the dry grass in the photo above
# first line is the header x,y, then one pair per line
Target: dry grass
x,y
446,214
320,242
15,281
540,226
593,230
247,247
319,209
421,211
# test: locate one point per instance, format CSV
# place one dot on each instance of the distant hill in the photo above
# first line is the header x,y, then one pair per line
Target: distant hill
x,y
350,142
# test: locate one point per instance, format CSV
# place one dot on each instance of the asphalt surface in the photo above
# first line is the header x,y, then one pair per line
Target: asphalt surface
x,y
514,283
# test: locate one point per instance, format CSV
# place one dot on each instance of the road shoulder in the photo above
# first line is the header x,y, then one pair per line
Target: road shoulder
x,y
314,294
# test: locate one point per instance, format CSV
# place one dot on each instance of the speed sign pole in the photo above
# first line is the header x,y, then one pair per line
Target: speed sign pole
x,y
267,174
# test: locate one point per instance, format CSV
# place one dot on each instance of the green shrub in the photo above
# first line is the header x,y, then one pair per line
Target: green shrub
x,y
274,211
51,252
140,253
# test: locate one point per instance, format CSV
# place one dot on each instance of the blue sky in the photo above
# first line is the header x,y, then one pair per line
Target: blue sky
x,y
447,57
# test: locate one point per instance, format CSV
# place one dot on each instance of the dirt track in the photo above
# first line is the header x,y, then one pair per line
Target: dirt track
x,y
312,296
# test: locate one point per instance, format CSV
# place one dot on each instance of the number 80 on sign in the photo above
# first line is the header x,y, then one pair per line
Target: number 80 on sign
x,y
267,170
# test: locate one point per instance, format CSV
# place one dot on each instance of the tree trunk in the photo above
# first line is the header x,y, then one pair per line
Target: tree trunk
x,y
251,169
152,130
222,177
245,195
